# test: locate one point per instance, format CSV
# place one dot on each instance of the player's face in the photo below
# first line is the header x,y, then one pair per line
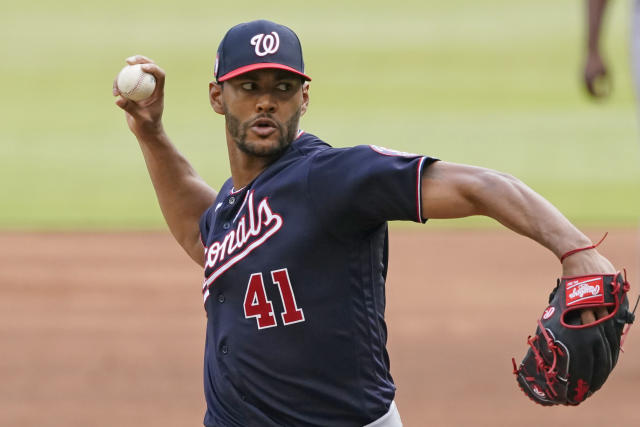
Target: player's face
x,y
262,110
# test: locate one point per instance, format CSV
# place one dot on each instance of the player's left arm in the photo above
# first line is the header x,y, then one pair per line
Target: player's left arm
x,y
452,190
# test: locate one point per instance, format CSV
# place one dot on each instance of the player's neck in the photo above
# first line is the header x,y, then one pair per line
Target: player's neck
x,y
245,167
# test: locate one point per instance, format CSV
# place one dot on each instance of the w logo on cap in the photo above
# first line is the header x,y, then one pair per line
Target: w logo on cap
x,y
266,44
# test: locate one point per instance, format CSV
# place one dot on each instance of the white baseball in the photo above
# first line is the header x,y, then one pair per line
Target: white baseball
x,y
135,84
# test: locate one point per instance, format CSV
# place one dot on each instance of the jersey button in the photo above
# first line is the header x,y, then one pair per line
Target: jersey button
x,y
232,200
221,298
224,349
226,225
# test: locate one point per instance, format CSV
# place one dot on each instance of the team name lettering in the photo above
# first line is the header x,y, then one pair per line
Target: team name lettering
x,y
254,228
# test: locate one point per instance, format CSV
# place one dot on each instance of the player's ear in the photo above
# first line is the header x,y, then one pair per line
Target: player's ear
x,y
305,97
215,97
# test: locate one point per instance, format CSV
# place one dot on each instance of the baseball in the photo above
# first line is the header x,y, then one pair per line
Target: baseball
x,y
135,84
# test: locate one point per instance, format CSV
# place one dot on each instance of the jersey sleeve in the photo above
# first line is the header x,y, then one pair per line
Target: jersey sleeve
x,y
366,185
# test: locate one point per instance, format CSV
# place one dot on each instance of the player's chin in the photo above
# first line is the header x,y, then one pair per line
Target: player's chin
x,y
263,147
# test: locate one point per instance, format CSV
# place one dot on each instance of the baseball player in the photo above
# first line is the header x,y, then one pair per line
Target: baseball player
x,y
596,76
294,244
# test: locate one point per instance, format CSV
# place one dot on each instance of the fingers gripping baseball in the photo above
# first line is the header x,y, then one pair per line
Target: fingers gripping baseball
x,y
143,116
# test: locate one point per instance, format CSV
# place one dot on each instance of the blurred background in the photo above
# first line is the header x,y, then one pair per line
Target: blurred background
x,y
496,83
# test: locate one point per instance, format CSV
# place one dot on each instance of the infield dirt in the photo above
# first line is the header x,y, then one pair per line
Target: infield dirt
x,y
108,330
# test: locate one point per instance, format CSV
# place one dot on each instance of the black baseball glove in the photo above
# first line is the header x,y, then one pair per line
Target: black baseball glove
x,y
568,361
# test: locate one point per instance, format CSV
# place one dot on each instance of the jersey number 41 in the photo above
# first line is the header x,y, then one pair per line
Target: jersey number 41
x,y
258,306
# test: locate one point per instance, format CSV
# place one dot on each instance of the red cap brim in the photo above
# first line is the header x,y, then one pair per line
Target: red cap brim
x,y
260,66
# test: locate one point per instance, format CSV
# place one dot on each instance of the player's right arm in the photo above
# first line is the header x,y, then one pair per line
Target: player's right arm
x,y
182,194
594,68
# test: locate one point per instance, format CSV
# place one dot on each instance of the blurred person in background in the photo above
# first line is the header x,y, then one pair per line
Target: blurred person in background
x,y
596,74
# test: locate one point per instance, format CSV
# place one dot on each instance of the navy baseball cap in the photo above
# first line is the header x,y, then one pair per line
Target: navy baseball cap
x,y
257,45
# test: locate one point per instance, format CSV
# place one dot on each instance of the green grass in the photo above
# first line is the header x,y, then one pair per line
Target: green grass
x,y
493,83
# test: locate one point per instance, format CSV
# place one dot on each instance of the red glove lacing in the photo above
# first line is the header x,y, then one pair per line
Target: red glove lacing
x,y
550,372
619,296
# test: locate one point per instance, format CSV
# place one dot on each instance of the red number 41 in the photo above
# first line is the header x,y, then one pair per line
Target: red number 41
x,y
257,305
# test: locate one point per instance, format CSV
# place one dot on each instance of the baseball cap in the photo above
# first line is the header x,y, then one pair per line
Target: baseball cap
x,y
257,45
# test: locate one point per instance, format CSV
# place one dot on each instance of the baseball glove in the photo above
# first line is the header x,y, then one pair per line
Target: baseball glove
x,y
568,361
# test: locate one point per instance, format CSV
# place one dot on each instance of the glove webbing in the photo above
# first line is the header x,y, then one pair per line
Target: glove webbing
x,y
550,374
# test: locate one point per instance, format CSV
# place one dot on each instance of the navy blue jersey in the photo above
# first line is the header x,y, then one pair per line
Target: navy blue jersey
x,y
294,287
